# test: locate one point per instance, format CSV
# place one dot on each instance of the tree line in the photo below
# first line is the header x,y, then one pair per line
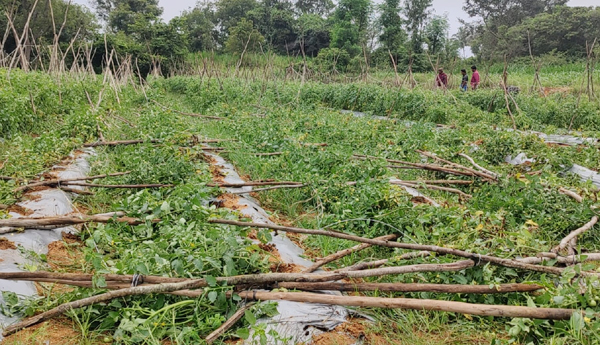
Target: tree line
x,y
340,35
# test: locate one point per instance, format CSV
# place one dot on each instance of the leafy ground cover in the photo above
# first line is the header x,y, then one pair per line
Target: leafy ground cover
x,y
520,215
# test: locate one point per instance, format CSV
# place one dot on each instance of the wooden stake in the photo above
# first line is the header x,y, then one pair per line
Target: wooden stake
x,y
250,184
345,252
441,250
130,186
414,304
379,263
484,170
228,324
411,287
120,142
63,181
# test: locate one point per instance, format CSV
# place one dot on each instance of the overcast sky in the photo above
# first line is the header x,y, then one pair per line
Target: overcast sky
x,y
453,8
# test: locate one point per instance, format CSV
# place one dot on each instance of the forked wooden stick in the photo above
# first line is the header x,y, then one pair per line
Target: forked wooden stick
x,y
228,324
345,252
565,241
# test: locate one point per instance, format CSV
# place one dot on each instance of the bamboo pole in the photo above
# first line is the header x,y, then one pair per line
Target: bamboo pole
x,y
484,170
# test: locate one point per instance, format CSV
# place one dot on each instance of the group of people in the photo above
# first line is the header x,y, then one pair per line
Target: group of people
x,y
442,79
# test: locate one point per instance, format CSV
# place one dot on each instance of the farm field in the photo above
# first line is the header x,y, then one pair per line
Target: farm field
x,y
359,158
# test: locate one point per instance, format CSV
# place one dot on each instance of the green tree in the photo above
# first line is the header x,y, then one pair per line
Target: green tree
x,y
321,8
416,12
229,13
128,16
244,37
275,20
436,33
350,20
198,24
393,36
498,16
313,34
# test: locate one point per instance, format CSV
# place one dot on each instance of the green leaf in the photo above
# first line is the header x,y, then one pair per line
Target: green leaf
x,y
212,296
249,316
165,207
243,333
199,264
211,281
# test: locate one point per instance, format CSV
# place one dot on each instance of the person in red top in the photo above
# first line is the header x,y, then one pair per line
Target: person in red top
x,y
442,79
475,79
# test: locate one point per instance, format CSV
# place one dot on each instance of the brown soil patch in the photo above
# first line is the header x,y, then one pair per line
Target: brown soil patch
x,y
55,331
246,177
65,254
230,201
331,338
6,244
208,159
217,175
233,341
20,210
285,268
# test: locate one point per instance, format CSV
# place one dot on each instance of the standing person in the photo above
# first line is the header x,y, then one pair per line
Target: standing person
x,y
442,79
464,85
475,78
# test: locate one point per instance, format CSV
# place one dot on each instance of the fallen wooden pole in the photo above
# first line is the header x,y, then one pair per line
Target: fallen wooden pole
x,y
61,221
430,167
565,241
54,182
228,324
268,154
457,166
75,190
63,308
120,142
430,182
571,194
379,263
484,170
210,141
411,287
345,252
414,304
130,186
426,186
441,250
377,272
567,260
270,188
251,184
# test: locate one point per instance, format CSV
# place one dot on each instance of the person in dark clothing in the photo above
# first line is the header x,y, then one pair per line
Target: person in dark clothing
x,y
442,79
465,80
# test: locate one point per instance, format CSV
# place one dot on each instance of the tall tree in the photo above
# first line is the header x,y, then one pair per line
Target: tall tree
x,y
318,7
275,20
416,12
436,33
393,36
199,27
128,16
229,13
350,19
